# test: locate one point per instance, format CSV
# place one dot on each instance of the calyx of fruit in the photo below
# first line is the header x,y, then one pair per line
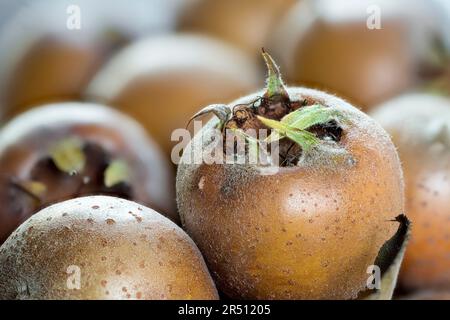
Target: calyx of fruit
x,y
290,122
78,167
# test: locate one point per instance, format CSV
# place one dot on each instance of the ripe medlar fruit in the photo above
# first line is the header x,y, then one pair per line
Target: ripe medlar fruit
x,y
364,50
102,247
246,24
419,124
309,230
64,150
161,81
51,49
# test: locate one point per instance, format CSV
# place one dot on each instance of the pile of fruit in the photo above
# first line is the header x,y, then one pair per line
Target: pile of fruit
x,y
357,114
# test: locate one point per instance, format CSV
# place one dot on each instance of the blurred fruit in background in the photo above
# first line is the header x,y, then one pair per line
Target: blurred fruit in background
x,y
327,44
42,149
163,81
428,295
8,8
138,57
445,4
44,57
245,24
420,128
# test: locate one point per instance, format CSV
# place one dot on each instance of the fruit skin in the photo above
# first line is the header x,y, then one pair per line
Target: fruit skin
x,y
245,24
164,79
326,44
24,147
123,250
419,125
44,61
307,232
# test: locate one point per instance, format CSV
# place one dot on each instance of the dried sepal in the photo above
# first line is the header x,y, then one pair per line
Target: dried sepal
x,y
221,111
389,260
274,83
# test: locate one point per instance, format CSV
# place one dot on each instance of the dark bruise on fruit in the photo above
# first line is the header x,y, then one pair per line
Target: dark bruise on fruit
x,y
309,230
73,155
